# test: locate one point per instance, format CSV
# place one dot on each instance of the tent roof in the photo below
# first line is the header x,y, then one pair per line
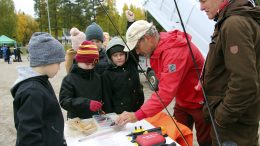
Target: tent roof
x,y
6,40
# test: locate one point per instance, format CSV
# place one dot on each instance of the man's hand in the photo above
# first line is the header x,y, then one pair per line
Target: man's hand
x,y
126,117
130,16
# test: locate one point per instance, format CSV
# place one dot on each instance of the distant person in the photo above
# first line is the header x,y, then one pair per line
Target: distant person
x,y
18,53
231,77
77,37
4,49
122,90
81,92
94,33
106,39
8,55
15,55
37,114
1,52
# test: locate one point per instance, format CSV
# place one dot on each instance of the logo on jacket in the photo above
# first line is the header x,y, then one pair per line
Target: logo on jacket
x,y
172,67
234,49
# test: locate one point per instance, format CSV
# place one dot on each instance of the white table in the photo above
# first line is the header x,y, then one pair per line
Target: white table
x,y
108,137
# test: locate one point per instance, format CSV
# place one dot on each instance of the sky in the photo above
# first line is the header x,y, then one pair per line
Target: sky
x,y
27,7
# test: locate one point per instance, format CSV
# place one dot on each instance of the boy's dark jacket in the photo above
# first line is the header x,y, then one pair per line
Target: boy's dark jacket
x,y
37,114
102,63
77,89
122,90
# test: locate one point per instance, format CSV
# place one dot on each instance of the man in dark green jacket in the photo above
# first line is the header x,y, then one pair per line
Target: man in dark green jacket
x,y
231,77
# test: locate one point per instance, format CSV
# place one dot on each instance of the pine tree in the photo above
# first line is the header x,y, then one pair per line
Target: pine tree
x,y
8,18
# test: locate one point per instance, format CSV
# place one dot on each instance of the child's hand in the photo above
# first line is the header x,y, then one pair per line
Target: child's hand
x,y
95,105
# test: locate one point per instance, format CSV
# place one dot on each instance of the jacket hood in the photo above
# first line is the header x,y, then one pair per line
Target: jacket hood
x,y
169,39
115,41
242,8
24,73
253,12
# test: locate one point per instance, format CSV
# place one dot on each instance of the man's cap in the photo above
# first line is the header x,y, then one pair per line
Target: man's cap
x,y
135,32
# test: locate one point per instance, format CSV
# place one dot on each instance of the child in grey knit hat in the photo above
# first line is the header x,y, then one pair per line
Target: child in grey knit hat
x,y
37,114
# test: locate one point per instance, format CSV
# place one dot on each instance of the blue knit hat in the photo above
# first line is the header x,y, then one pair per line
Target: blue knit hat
x,y
94,31
44,49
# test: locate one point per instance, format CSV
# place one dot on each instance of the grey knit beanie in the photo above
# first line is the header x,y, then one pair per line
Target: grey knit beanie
x,y
94,31
44,49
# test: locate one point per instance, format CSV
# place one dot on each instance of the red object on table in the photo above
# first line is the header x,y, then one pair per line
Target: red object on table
x,y
150,139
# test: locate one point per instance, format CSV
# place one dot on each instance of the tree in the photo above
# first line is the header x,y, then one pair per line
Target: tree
x,y
41,13
26,26
8,18
150,18
64,14
139,13
54,11
123,20
103,20
81,14
257,2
